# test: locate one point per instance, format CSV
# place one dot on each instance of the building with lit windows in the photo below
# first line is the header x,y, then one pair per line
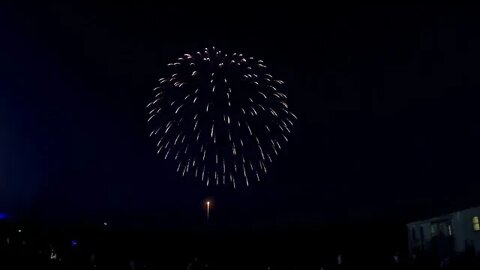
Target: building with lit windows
x,y
456,232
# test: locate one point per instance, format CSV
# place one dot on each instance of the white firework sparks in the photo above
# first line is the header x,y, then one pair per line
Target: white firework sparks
x,y
220,116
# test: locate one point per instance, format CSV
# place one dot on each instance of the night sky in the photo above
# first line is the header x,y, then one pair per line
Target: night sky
x,y
386,96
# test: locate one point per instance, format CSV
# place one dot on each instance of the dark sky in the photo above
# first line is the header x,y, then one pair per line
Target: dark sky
x,y
387,99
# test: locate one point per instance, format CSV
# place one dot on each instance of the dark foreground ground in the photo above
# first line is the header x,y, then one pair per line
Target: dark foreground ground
x,y
307,248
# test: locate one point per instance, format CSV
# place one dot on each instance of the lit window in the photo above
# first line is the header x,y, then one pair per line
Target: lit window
x,y
476,223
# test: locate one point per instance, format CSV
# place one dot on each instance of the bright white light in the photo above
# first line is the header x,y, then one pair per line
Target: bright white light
x,y
19,230
105,223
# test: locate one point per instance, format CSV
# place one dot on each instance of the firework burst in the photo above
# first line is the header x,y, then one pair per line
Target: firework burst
x,y
221,117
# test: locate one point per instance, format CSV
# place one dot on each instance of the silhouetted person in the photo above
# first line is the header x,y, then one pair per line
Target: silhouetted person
x,y
194,265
